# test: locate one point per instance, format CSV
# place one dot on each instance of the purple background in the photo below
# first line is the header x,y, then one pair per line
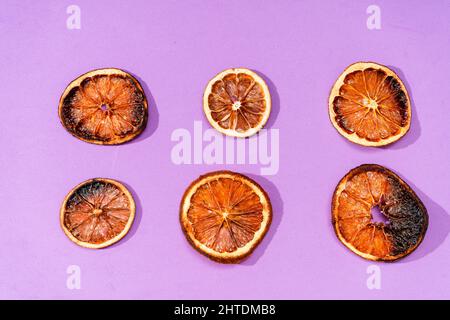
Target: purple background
x,y
174,48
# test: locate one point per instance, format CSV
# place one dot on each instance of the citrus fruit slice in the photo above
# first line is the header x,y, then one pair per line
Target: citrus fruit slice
x,y
237,102
369,186
369,105
225,215
105,106
97,213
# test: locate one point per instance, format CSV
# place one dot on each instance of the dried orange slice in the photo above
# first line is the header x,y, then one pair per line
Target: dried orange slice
x,y
368,186
237,102
369,105
225,215
97,213
105,106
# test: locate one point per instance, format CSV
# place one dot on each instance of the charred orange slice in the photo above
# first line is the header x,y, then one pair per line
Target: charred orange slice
x,y
105,106
237,102
369,105
225,215
369,186
97,213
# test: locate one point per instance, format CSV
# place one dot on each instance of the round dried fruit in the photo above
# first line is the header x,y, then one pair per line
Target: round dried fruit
x,y
105,106
368,186
237,102
225,215
369,105
97,213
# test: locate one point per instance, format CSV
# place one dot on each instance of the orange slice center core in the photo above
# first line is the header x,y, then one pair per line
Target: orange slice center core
x,y
236,105
369,103
97,212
